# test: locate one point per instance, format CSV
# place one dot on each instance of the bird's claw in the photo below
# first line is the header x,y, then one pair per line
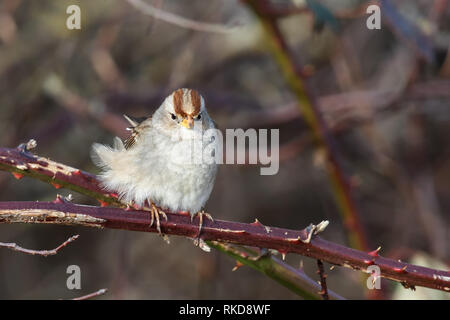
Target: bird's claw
x,y
155,212
200,215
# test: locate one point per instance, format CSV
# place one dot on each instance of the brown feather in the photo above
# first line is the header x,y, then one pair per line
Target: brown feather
x,y
142,123
196,102
178,102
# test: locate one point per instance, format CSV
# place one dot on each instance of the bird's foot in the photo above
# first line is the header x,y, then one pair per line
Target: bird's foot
x,y
155,212
200,215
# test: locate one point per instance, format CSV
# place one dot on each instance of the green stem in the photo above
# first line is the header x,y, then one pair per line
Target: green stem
x,y
294,280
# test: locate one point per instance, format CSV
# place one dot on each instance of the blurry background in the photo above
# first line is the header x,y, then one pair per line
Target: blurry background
x,y
384,95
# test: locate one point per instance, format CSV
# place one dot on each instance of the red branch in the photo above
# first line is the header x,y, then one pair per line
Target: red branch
x,y
249,234
254,234
22,163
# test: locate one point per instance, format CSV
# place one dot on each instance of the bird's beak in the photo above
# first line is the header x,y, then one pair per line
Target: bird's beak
x,y
188,123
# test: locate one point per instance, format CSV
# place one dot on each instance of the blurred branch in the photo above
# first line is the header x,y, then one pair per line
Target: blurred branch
x,y
20,162
342,111
281,10
407,31
45,253
82,108
313,116
178,20
294,279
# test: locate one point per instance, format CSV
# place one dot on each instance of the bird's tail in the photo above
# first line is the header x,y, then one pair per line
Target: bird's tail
x,y
103,156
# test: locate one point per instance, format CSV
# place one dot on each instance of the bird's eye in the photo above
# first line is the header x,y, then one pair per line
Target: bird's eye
x,y
199,116
174,117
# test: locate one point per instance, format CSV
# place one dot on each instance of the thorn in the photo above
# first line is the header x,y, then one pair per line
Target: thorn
x,y
17,175
283,253
237,266
332,268
58,199
369,262
374,253
103,203
257,223
401,270
294,240
57,186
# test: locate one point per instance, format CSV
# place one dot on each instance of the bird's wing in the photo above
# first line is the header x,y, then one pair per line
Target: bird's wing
x,y
137,126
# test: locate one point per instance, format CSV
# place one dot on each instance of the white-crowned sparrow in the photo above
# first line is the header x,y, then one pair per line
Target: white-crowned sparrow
x,y
157,163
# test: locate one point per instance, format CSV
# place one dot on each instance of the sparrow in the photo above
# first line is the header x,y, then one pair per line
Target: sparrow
x,y
156,164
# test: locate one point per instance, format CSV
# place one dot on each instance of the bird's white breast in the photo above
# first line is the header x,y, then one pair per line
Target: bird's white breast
x,y
170,173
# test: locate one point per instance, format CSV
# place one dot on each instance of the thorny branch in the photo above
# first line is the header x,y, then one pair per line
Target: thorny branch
x,y
20,162
247,234
178,20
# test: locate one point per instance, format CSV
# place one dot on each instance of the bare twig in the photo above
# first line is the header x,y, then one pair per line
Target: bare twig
x,y
178,20
92,295
323,280
45,253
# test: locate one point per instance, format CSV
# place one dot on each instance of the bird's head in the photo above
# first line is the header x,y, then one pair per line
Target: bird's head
x,y
183,112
